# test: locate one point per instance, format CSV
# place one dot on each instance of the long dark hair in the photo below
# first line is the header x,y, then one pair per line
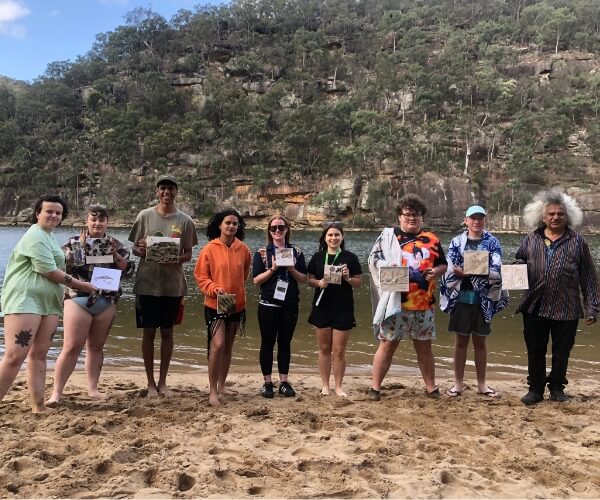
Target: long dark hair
x,y
331,225
49,198
213,231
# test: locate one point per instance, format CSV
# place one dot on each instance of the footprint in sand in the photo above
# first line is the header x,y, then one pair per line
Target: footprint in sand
x,y
103,467
185,482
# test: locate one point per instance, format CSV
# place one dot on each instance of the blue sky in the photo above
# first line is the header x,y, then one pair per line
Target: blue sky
x,y
34,33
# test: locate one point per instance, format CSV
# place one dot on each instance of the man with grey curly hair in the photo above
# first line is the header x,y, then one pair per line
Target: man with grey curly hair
x,y
559,264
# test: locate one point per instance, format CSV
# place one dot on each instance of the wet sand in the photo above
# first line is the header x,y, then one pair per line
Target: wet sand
x,y
405,445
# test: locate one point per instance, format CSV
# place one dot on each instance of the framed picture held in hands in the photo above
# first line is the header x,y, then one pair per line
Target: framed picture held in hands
x,y
162,249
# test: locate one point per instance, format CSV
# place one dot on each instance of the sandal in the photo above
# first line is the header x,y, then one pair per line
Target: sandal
x,y
435,394
453,393
490,393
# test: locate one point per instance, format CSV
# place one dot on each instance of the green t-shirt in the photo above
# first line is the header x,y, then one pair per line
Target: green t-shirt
x,y
152,278
25,290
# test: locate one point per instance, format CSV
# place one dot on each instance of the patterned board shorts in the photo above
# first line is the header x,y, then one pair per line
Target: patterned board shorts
x,y
415,325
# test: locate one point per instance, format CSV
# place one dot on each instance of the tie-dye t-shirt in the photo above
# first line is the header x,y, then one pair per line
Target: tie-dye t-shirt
x,y
420,251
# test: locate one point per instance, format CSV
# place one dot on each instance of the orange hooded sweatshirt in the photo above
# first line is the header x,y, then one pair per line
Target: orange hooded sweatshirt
x,y
220,266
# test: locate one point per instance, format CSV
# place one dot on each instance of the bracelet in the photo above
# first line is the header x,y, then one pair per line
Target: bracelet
x,y
68,279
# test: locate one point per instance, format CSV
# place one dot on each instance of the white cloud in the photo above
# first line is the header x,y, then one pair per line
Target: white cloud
x,y
11,11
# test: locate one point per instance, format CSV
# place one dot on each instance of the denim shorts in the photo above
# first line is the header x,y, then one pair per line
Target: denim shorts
x,y
101,304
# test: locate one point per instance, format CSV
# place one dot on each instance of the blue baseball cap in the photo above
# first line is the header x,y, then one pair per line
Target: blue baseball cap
x,y
475,209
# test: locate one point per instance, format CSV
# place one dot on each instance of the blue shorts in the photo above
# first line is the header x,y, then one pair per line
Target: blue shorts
x,y
101,304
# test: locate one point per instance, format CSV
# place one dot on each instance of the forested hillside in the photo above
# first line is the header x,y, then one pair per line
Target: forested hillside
x,y
266,103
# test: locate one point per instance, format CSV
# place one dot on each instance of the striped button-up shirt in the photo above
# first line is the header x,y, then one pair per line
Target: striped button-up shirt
x,y
556,272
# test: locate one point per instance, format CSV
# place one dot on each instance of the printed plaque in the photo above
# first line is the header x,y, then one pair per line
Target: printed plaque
x,y
284,257
393,278
333,274
476,263
106,279
514,277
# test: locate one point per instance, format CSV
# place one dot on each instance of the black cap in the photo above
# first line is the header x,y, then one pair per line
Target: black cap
x,y
166,179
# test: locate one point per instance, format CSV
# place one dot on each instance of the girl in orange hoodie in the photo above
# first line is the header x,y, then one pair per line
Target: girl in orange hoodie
x,y
222,268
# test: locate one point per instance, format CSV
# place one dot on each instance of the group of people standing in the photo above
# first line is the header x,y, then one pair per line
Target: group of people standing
x,y
559,267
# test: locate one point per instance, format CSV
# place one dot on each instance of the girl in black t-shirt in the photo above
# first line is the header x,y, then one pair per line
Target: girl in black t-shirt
x,y
332,312
278,305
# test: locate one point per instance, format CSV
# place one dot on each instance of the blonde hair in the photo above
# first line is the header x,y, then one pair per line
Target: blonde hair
x,y
533,213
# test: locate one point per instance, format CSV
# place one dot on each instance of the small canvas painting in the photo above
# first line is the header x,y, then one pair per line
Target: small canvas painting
x,y
98,251
226,303
162,249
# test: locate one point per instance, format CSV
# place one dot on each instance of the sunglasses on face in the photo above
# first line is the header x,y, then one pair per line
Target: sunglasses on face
x,y
231,223
277,227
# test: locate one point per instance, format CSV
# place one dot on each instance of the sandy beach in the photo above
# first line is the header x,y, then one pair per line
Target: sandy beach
x,y
310,446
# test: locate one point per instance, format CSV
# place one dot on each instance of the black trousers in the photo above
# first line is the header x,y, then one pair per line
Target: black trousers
x,y
277,324
537,331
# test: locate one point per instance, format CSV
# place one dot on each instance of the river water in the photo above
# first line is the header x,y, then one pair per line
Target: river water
x,y
506,347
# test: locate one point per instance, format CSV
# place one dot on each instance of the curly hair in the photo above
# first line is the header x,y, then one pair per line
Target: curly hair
x,y
288,233
412,202
328,226
49,198
533,213
213,231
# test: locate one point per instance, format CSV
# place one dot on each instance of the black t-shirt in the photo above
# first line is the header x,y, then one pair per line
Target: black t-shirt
x,y
335,297
267,289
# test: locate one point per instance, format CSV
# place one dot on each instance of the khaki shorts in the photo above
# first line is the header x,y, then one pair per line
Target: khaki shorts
x,y
415,325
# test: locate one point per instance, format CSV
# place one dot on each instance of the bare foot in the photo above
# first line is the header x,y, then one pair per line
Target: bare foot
x,y
41,410
213,400
54,401
152,392
163,390
96,395
340,392
324,391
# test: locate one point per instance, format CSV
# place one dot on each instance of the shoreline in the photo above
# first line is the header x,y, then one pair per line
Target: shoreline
x,y
404,446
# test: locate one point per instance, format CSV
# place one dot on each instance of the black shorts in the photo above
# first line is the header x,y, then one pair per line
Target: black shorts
x,y
212,318
156,312
339,320
467,319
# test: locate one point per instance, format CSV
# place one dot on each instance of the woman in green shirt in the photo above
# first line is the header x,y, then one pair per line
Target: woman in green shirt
x,y
32,299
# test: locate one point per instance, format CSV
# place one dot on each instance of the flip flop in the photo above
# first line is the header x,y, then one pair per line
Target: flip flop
x,y
490,393
453,393
435,394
